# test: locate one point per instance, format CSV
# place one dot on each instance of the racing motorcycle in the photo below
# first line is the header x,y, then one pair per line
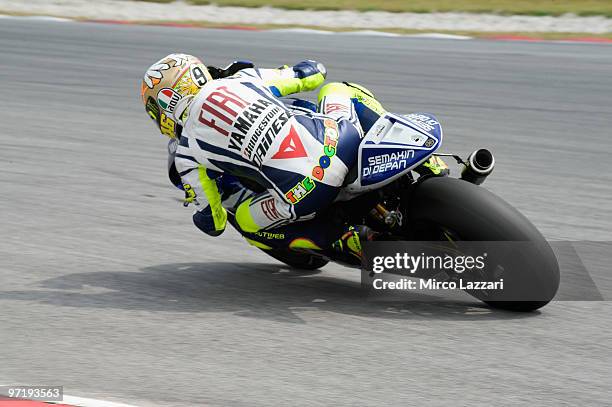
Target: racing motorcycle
x,y
392,192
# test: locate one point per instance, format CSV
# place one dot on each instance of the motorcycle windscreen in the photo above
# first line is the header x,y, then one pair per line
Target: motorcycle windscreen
x,y
395,145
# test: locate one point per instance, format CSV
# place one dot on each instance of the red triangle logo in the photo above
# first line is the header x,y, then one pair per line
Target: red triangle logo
x,y
290,147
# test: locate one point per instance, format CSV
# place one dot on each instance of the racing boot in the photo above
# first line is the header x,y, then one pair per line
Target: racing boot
x,y
348,249
363,95
367,108
435,166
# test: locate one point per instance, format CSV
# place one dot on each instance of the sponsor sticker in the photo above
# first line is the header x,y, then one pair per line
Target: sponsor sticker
x,y
382,163
300,190
167,99
290,147
329,149
335,107
268,207
250,124
221,108
422,121
270,236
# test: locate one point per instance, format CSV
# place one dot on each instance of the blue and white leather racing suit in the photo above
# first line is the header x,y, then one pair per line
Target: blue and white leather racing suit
x,y
238,126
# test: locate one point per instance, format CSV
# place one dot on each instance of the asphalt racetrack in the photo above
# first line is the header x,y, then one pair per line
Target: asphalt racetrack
x,y
109,290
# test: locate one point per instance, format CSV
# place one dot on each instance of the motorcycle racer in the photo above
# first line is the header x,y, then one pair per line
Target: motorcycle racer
x,y
237,125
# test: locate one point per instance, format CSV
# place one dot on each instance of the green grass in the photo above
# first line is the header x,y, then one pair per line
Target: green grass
x,y
526,7
476,34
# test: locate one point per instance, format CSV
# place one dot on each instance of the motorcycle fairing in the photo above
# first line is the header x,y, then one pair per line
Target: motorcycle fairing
x,y
393,146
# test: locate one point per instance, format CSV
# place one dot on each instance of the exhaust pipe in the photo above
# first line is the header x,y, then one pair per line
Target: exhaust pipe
x,y
479,165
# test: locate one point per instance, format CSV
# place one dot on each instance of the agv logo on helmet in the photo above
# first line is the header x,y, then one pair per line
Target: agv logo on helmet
x,y
167,99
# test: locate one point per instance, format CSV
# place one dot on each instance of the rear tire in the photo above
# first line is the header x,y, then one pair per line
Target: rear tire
x,y
475,214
